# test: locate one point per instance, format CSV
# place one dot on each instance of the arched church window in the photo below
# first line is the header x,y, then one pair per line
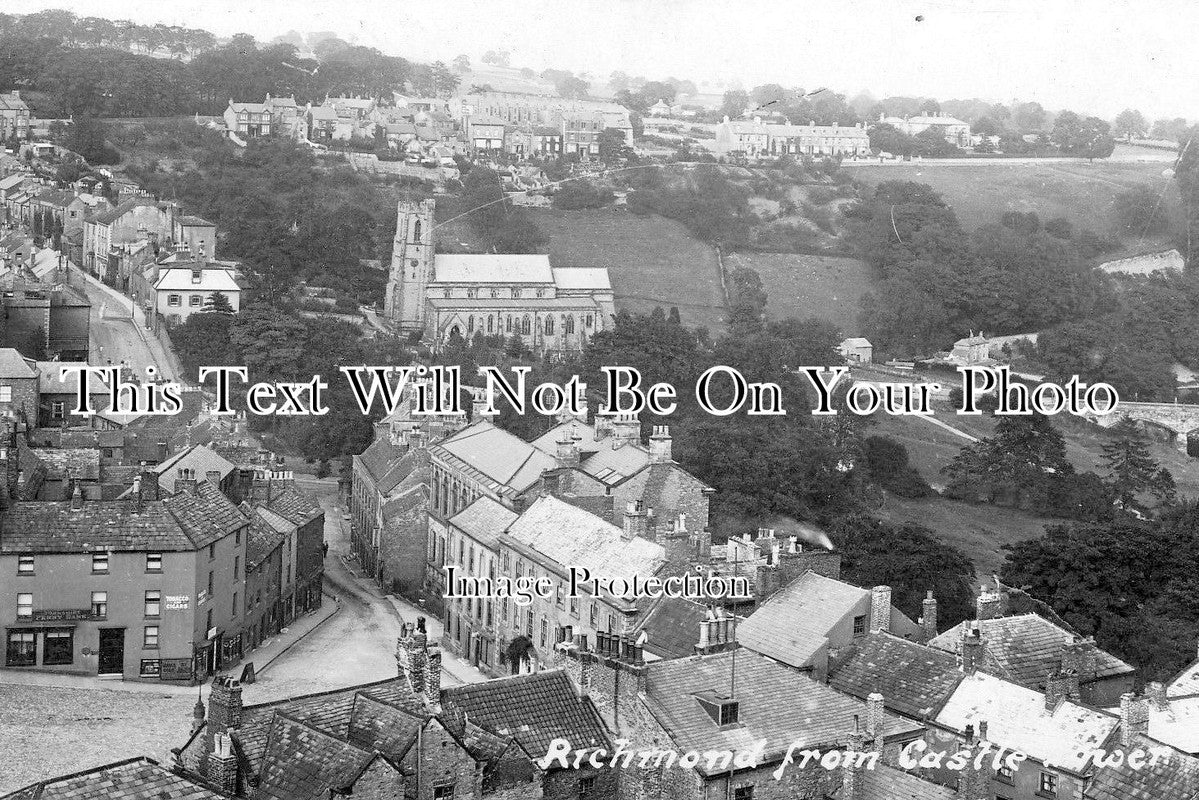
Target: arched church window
x,y
589,321
524,326
470,323
509,326
416,231
490,324
569,324
549,326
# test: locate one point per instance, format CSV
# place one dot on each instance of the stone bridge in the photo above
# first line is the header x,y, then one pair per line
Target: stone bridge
x,y
1181,419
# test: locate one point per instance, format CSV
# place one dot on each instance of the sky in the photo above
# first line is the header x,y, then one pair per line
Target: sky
x,y
1097,56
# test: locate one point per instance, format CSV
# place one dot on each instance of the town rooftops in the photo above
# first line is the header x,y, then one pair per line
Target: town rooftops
x,y
671,626
533,709
12,181
915,680
569,536
1186,682
198,458
774,703
138,778
295,506
121,209
13,365
484,520
501,458
250,108
1018,719
323,112
1026,648
180,523
493,268
192,221
261,541
183,280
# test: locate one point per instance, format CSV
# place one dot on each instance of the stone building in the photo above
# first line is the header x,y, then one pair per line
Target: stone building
x,y
145,587
405,737
551,309
757,139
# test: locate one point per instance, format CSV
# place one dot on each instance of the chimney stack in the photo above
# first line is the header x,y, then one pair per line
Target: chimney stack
x,y
433,677
626,429
635,520
928,622
1059,687
1155,691
1081,656
213,476
880,609
851,771
973,648
222,763
875,714
1134,718
989,604
224,704
659,445
76,499
568,450
149,485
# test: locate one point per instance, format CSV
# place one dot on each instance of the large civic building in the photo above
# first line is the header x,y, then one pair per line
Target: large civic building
x,y
552,309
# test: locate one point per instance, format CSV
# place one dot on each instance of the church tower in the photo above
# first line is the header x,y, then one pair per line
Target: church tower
x,y
411,265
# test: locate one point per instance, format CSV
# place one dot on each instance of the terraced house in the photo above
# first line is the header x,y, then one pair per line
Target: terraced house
x,y
146,587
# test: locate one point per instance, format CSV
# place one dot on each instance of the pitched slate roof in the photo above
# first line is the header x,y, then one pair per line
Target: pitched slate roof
x,y
533,709
303,763
794,624
261,541
1174,777
293,504
915,680
887,783
492,268
76,463
775,704
198,458
1177,724
384,462
134,779
1017,718
569,536
1026,648
179,523
484,520
14,365
499,456
671,626
1186,682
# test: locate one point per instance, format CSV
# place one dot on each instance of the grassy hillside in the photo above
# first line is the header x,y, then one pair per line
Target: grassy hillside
x,y
803,286
980,530
1082,193
653,261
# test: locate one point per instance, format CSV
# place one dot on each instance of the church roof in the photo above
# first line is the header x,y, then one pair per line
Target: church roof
x,y
492,268
582,278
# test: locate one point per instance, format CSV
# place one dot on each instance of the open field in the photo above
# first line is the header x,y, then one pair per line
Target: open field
x,y
980,530
653,261
804,286
1079,191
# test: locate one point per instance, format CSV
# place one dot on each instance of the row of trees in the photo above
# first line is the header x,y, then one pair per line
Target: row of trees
x,y
937,282
110,81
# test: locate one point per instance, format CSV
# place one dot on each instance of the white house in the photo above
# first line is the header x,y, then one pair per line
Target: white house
x,y
181,292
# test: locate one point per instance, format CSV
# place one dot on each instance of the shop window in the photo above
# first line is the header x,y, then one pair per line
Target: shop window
x,y
21,650
58,648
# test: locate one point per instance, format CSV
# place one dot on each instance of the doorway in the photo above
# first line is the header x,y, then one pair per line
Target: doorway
x,y
112,651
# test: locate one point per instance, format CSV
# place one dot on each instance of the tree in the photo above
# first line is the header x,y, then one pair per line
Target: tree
x,y
887,462
1141,211
1029,117
572,88
886,138
87,138
220,303
613,148
1129,465
461,63
499,58
1130,124
734,103
1088,137
911,560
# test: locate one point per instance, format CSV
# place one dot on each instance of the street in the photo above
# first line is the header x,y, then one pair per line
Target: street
x,y
115,336
358,644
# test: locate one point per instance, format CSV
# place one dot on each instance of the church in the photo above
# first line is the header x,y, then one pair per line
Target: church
x,y
553,309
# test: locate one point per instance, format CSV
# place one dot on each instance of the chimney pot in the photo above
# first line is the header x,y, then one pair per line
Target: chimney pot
x,y
880,609
1134,718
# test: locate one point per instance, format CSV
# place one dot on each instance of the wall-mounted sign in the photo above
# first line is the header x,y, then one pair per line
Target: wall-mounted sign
x,y
62,615
178,602
175,669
